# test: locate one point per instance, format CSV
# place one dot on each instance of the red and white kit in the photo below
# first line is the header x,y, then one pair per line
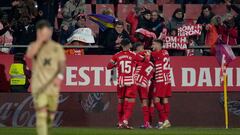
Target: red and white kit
x,y
125,61
162,78
143,74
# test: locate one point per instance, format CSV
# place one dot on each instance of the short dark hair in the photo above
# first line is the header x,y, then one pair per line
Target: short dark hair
x,y
206,6
136,45
125,42
119,22
42,24
158,41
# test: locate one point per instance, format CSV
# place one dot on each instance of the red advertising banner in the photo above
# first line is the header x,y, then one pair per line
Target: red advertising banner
x,y
189,74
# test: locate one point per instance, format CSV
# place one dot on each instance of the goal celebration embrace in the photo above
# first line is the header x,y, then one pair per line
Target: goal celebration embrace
x,y
146,73
119,67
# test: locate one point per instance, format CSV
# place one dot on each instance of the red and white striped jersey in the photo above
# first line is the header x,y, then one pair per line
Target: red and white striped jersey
x,y
125,61
161,62
144,71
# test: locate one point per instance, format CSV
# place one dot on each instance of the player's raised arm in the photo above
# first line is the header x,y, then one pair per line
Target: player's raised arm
x,y
33,49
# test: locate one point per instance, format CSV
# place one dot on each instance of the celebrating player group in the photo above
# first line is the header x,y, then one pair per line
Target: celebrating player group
x,y
147,73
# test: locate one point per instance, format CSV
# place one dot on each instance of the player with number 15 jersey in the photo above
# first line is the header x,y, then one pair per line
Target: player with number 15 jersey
x,y
125,62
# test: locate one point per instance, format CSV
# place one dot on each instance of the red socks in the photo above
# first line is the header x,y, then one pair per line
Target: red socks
x,y
145,114
161,111
120,112
151,113
129,110
166,110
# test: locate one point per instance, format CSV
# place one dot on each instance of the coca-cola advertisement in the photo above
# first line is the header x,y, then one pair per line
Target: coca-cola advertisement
x,y
100,110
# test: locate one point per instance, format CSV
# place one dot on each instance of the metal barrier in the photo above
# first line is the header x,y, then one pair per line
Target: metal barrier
x,y
98,46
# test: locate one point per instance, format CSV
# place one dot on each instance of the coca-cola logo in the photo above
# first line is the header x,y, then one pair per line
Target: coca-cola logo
x,y
22,114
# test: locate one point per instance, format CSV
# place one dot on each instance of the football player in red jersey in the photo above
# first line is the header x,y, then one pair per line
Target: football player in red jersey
x,y
125,62
162,88
143,75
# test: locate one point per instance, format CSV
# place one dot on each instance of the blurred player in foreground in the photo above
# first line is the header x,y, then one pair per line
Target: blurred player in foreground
x,y
48,64
125,61
143,75
162,84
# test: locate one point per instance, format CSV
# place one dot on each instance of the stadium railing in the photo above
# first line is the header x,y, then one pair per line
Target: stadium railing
x,y
98,46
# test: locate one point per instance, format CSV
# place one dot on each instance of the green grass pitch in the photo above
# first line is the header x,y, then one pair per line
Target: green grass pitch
x,y
111,131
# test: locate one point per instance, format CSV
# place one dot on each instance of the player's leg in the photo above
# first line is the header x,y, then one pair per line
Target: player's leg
x,y
40,104
151,102
120,110
129,103
158,96
143,93
166,123
160,109
52,108
151,110
121,106
166,101
166,106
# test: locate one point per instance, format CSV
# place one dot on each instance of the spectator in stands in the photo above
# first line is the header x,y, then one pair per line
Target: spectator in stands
x,y
23,8
237,18
237,23
48,9
157,23
177,20
80,37
212,35
5,34
102,34
175,52
23,33
228,30
71,11
81,23
144,21
114,37
132,20
204,19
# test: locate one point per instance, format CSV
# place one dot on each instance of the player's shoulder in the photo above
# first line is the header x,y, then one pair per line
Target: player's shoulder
x,y
58,48
55,44
165,52
133,53
118,53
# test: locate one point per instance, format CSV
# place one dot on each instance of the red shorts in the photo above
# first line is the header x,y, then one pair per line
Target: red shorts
x,y
151,91
162,90
127,91
143,92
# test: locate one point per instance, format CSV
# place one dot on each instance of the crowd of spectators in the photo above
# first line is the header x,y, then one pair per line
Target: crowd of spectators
x,y
17,25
